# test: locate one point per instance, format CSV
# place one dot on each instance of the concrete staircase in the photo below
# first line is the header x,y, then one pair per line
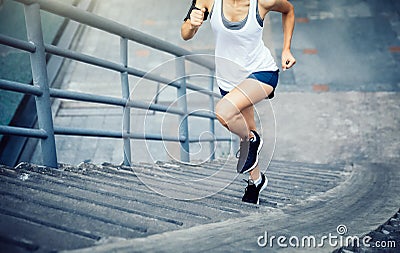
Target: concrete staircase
x,y
120,208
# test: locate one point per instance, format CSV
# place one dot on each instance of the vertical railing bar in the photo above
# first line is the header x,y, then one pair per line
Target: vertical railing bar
x,y
126,117
182,103
40,79
212,122
157,96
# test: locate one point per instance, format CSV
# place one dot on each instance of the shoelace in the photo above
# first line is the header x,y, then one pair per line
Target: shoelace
x,y
250,186
249,182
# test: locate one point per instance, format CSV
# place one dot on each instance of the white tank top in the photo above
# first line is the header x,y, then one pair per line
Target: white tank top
x,y
239,52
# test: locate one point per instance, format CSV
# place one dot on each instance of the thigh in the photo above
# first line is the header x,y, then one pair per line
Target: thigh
x,y
248,93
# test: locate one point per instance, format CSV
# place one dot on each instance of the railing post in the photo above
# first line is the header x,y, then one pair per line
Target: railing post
x,y
40,79
182,103
212,109
126,120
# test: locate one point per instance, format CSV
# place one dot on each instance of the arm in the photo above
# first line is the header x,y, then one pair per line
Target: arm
x,y
287,10
192,23
191,26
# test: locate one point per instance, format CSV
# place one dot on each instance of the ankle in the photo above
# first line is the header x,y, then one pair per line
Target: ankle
x,y
255,176
252,135
257,181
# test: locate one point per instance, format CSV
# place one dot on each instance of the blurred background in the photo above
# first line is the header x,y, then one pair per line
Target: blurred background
x,y
340,101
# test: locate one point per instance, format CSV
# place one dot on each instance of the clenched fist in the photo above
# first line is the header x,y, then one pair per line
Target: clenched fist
x,y
287,60
197,17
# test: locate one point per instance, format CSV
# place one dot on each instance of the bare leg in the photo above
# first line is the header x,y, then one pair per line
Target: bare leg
x,y
235,111
230,108
248,115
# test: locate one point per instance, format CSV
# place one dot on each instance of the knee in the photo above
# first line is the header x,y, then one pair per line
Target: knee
x,y
220,113
224,112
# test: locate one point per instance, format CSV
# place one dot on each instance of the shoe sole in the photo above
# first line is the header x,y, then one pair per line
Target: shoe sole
x,y
242,157
262,188
256,163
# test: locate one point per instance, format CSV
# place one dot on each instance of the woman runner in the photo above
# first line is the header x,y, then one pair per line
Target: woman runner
x,y
245,69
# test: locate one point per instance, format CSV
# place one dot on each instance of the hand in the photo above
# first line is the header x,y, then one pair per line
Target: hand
x,y
287,60
196,17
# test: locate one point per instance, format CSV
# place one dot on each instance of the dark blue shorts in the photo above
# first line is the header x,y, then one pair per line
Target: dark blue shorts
x,y
267,77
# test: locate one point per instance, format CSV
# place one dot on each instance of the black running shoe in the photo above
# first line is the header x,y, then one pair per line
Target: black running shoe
x,y
252,157
252,192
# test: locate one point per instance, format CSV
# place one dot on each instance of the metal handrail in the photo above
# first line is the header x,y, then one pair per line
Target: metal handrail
x,y
37,48
51,49
17,43
115,28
